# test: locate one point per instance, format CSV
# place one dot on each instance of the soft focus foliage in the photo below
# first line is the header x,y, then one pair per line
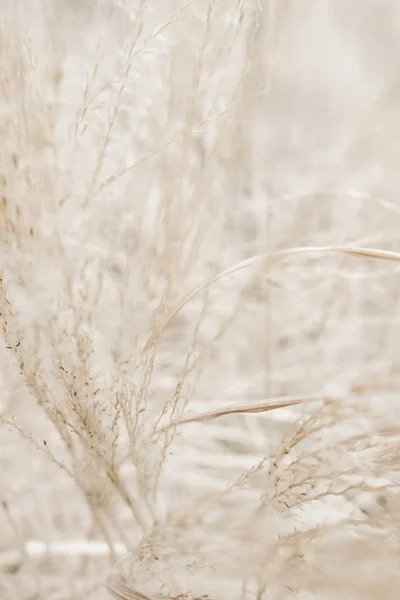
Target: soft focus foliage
x,y
185,189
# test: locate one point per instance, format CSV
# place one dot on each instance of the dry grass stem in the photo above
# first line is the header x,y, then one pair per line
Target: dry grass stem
x,y
258,407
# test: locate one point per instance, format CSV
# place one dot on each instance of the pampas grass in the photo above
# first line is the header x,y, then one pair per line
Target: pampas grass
x,y
199,300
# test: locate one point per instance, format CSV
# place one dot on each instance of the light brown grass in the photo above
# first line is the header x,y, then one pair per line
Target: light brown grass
x,y
199,226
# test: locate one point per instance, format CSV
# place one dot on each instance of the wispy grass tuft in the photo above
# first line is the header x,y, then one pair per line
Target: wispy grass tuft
x,y
199,300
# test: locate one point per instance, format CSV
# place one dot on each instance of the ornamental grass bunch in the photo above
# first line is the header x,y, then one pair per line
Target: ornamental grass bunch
x,y
199,300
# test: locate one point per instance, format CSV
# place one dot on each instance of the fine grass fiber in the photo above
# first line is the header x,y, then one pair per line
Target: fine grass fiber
x,y
199,299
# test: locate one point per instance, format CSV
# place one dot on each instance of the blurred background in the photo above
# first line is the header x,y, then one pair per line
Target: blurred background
x,y
145,147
